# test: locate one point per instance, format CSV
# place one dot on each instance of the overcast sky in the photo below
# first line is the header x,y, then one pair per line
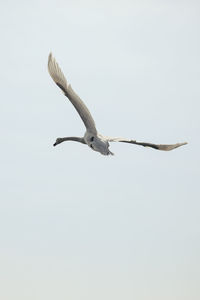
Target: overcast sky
x,y
75,224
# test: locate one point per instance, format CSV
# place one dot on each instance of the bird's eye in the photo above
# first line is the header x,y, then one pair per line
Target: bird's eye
x,y
92,139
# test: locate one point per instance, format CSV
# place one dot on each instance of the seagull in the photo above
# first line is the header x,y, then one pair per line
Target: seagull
x,y
92,138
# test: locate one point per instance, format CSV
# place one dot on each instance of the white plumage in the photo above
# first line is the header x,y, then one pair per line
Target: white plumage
x,y
92,138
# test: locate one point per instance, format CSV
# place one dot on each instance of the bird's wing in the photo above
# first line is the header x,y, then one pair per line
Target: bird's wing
x,y
59,78
155,146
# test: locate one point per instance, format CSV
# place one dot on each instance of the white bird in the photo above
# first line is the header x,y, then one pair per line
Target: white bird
x,y
92,138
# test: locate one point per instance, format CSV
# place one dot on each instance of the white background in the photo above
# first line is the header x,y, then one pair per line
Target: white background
x,y
73,223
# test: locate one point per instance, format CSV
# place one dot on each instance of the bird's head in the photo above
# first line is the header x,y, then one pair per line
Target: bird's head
x,y
58,141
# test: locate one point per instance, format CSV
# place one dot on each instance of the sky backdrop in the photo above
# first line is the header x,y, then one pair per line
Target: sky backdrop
x,y
75,224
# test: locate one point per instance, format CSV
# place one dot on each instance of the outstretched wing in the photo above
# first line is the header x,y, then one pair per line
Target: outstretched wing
x,y
155,146
59,78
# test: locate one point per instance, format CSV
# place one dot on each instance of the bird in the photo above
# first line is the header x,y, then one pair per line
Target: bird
x,y
92,138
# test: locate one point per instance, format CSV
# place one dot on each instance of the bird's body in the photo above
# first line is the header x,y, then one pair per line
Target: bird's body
x,y
92,138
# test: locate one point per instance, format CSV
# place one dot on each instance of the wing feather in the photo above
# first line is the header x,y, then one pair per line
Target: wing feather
x,y
164,147
59,78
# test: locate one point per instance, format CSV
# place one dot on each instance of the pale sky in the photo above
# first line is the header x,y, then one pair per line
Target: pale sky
x,y
75,224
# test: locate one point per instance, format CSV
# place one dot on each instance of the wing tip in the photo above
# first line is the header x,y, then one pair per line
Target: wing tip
x,y
50,59
182,144
171,147
56,74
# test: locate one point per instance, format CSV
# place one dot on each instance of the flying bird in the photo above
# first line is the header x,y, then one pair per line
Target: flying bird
x,y
92,138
